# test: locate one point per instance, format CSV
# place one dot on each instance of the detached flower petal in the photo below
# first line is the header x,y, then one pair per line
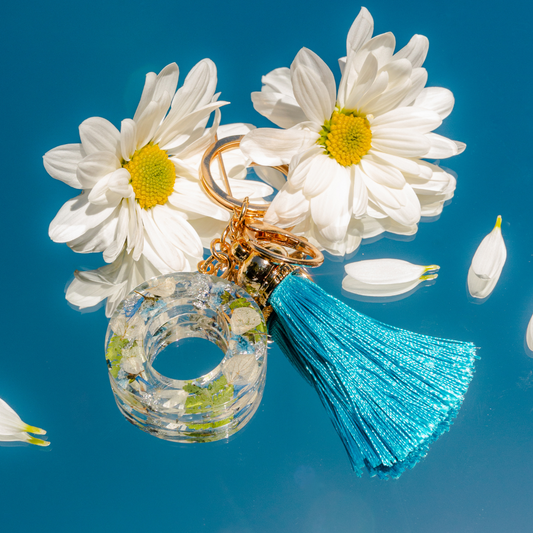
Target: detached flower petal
x,y
529,334
385,277
12,428
487,263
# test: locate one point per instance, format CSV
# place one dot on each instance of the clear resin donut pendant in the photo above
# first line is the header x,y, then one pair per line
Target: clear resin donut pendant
x,y
164,310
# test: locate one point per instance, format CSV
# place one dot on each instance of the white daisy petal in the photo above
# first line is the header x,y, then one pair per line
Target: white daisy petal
x,y
102,195
12,428
529,334
150,119
480,287
354,85
438,99
170,130
61,163
491,254
96,239
320,174
314,86
271,147
442,147
119,183
360,192
415,50
279,81
96,166
301,165
155,86
419,78
176,230
128,138
280,109
385,277
332,209
99,135
381,46
76,217
383,174
415,119
388,100
198,89
404,165
401,143
360,31
288,208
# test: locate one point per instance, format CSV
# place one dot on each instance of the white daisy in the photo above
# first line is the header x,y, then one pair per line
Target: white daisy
x,y
140,184
354,156
207,220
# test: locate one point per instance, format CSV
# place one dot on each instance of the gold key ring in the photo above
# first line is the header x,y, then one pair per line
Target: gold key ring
x,y
266,240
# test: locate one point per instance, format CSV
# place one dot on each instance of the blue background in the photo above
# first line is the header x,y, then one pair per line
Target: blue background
x,y
287,471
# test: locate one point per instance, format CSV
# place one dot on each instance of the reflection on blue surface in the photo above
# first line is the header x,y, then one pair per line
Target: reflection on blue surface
x,y
287,471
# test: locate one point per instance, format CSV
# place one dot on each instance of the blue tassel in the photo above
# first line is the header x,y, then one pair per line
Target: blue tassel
x,y
389,392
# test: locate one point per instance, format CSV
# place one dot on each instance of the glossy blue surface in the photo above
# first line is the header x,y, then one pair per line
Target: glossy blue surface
x,y
286,471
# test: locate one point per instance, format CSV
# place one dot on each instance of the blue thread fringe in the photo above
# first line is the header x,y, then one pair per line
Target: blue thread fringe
x,y
389,392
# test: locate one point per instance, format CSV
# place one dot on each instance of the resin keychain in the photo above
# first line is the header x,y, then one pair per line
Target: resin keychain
x,y
389,392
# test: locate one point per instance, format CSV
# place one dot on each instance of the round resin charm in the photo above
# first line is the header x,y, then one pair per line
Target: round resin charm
x,y
164,310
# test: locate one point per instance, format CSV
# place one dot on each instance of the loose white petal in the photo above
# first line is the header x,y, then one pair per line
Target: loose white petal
x,y
385,277
62,163
479,287
491,254
529,334
12,428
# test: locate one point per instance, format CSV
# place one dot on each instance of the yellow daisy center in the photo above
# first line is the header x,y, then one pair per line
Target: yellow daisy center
x,y
152,175
346,137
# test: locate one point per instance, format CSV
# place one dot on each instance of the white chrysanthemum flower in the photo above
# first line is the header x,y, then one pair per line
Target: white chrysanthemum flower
x,y
140,185
12,428
354,156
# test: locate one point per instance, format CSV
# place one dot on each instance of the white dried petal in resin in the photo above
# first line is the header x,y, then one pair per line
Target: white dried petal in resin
x,y
133,328
163,289
132,360
385,277
241,368
244,319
